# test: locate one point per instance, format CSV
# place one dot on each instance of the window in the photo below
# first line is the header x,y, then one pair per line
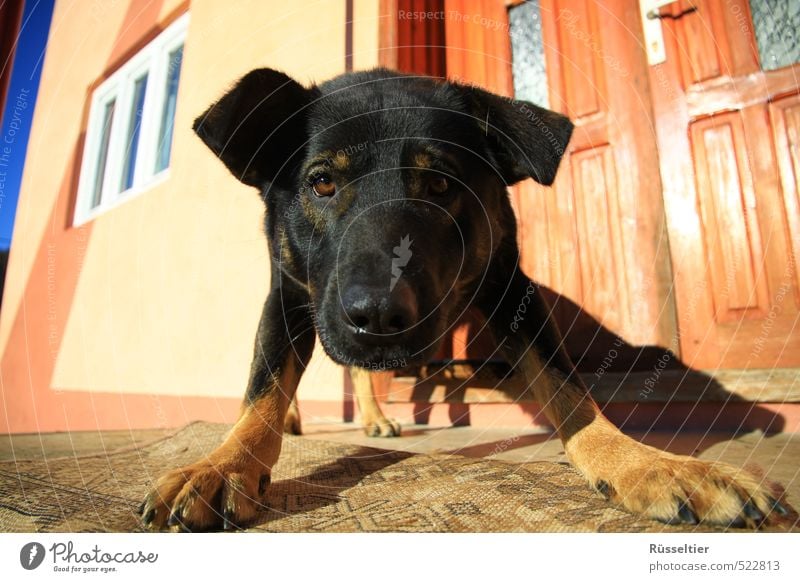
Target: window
x,y
527,49
776,23
131,120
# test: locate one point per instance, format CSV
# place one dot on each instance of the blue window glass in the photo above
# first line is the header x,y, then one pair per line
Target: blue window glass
x,y
102,155
168,113
134,127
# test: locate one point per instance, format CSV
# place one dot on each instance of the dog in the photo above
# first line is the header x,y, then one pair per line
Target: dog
x,y
387,215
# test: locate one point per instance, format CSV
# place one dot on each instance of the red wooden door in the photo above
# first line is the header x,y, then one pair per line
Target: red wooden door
x,y
728,134
597,238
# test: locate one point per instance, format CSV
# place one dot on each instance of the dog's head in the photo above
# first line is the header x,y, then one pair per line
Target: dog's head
x,y
386,195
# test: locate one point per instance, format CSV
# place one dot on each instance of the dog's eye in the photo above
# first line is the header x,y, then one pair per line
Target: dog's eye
x,y
323,186
438,185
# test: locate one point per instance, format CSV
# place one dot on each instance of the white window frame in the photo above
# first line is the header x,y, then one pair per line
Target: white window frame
x,y
153,60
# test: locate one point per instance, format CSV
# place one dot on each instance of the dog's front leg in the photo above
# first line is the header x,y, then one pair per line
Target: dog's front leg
x,y
670,488
226,487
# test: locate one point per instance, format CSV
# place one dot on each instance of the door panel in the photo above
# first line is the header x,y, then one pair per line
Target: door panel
x,y
729,219
785,117
600,234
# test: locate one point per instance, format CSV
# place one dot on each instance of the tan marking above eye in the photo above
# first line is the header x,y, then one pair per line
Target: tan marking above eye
x,y
438,185
340,161
323,186
422,160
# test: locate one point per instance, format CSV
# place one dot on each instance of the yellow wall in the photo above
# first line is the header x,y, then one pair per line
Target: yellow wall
x,y
169,284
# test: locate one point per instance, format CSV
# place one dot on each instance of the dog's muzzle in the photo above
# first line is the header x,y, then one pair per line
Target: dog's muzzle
x,y
376,316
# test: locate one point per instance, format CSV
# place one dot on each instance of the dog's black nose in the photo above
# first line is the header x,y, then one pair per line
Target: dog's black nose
x,y
378,315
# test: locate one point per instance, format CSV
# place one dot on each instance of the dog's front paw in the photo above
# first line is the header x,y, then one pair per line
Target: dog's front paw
x,y
206,496
382,427
682,490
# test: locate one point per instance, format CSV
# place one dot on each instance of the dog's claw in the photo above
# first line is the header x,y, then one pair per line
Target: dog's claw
x,y
738,521
753,512
685,516
140,509
604,489
263,483
685,513
227,520
149,516
776,506
176,519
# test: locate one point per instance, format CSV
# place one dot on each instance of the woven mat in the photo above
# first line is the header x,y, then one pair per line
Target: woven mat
x,y
318,486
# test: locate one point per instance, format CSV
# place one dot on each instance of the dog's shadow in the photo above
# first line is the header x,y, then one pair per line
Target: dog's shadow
x,y
642,389
299,497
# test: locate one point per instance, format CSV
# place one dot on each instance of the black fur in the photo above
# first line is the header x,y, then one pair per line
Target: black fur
x,y
333,256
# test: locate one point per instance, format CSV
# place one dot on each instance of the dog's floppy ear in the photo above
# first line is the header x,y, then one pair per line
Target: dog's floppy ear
x,y
525,140
257,128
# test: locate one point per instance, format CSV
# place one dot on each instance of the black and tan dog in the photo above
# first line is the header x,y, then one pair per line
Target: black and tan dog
x,y
387,216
